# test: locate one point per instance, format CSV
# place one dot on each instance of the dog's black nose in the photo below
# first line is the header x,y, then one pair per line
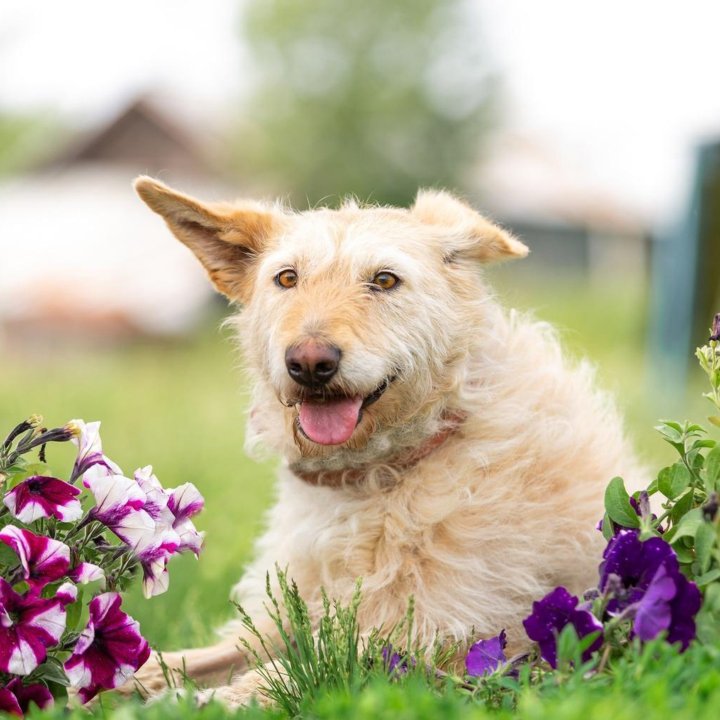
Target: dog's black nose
x,y
312,363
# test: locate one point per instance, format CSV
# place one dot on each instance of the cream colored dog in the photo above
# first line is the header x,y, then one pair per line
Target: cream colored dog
x,y
432,444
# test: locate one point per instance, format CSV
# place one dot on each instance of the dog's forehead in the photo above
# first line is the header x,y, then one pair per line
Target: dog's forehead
x,y
354,234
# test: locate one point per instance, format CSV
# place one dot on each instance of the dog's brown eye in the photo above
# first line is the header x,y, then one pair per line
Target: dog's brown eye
x,y
385,281
286,279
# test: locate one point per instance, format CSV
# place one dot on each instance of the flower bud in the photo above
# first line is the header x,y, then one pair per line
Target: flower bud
x,y
715,330
710,508
73,428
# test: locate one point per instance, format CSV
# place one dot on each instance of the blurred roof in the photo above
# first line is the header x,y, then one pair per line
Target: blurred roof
x,y
83,256
141,135
523,181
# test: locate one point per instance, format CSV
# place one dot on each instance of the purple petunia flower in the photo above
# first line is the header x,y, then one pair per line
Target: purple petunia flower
x,y
41,497
29,625
645,578
15,698
43,559
109,651
87,438
551,614
396,664
486,656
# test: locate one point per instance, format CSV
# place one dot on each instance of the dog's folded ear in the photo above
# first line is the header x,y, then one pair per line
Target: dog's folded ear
x,y
468,234
225,237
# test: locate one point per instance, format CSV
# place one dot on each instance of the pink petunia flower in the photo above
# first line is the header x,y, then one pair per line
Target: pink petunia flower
x,y
90,455
15,698
43,559
41,497
109,651
29,625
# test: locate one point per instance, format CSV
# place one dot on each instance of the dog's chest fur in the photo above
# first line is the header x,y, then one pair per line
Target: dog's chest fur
x,y
491,520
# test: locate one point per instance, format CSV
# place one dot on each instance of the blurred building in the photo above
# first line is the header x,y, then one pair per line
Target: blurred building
x,y
570,226
82,256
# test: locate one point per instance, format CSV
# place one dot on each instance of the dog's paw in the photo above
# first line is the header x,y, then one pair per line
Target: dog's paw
x,y
242,692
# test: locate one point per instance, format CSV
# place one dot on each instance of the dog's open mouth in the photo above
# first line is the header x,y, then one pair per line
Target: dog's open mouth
x,y
329,419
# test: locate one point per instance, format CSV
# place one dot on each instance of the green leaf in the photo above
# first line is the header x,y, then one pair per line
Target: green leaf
x,y
673,480
712,469
687,527
617,504
682,506
607,527
715,420
672,433
52,671
708,577
705,537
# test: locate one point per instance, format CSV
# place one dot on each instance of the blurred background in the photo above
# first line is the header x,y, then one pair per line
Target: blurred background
x,y
592,130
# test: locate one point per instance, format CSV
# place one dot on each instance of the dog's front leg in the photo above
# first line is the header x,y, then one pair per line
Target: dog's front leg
x,y
208,666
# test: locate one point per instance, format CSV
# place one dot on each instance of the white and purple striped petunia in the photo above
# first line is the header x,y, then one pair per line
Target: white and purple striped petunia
x,y
15,698
86,572
29,625
116,497
43,559
90,455
109,651
40,497
185,502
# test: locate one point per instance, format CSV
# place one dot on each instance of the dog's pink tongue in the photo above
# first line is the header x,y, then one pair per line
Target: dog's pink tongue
x,y
330,423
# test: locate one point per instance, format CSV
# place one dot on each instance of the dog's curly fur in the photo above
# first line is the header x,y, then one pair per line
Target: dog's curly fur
x,y
503,505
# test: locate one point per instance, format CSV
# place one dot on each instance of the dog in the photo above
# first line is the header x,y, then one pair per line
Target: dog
x,y
432,443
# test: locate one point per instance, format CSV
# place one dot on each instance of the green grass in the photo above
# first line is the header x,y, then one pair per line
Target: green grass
x,y
658,685
182,408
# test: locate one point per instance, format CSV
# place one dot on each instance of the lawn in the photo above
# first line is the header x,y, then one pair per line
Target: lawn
x,y
181,406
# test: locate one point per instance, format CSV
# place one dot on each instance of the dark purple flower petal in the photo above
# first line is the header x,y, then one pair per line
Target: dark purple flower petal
x,y
109,651
28,626
654,613
645,577
40,497
394,662
26,694
635,562
551,614
486,656
670,603
43,559
9,703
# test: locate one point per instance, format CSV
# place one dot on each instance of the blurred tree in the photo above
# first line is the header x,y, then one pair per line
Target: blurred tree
x,y
26,139
370,98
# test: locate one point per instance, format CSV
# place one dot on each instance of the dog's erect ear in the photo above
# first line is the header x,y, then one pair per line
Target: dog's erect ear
x,y
225,237
470,235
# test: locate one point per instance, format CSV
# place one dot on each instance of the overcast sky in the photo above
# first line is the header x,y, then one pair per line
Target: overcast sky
x,y
621,89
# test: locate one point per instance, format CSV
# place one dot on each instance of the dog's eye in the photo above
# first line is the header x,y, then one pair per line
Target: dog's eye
x,y
286,279
384,281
